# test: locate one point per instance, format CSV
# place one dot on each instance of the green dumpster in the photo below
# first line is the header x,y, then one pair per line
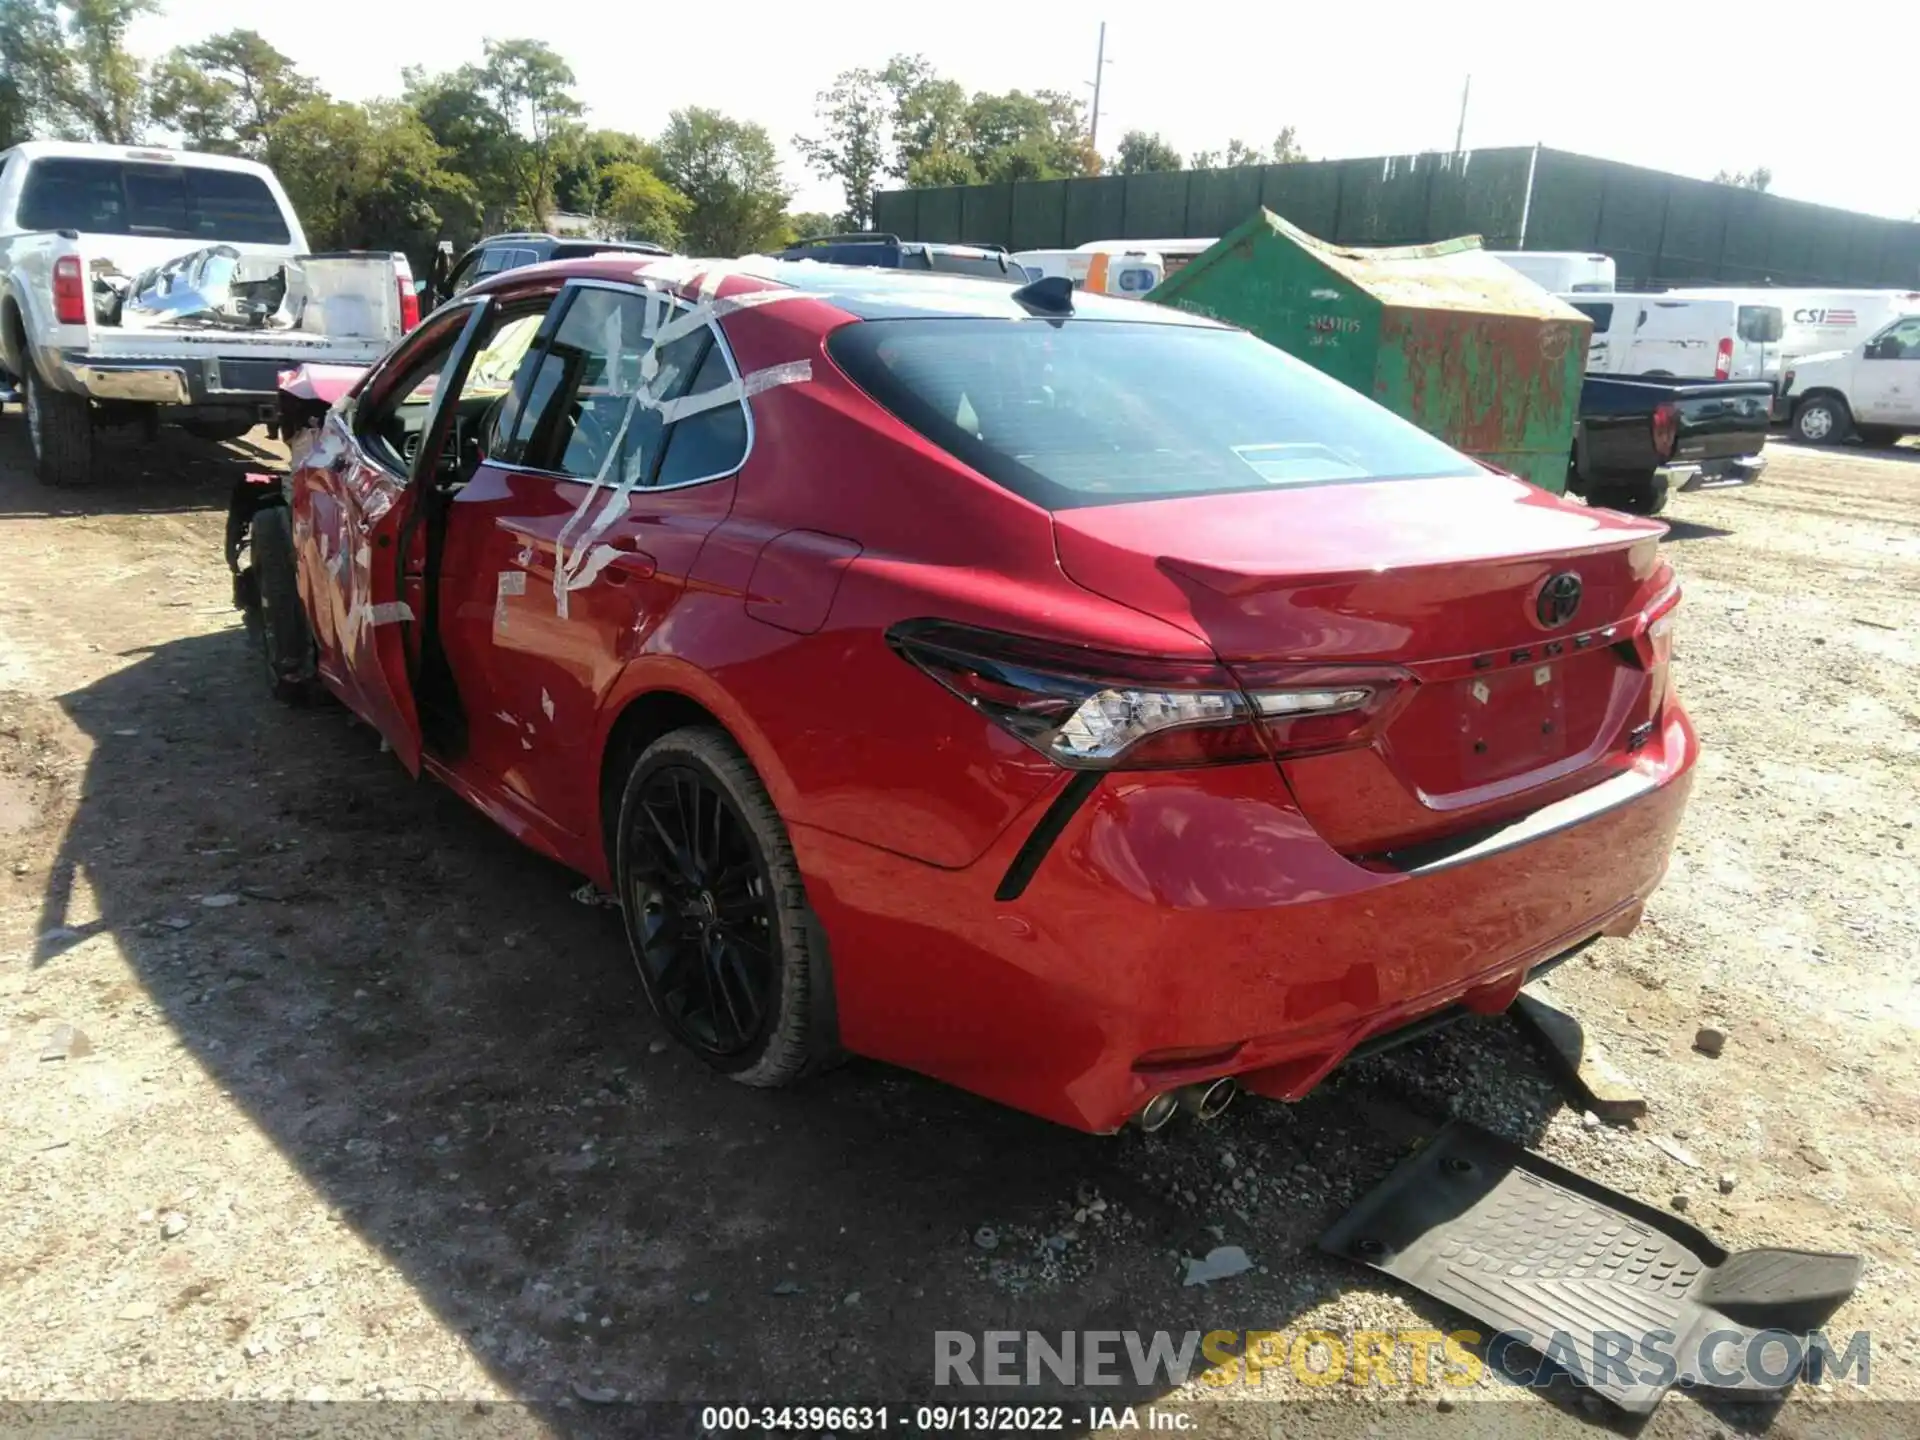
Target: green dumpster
x,y
1444,335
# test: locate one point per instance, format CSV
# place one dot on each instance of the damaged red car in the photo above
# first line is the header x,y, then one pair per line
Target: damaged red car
x,y
1078,701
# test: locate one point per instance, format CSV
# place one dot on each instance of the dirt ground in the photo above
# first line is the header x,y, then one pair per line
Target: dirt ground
x,y
358,1102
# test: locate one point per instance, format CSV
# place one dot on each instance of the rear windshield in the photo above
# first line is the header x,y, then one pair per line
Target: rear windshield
x,y
1096,412
116,197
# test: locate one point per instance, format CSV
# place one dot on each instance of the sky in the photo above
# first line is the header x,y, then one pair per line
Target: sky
x,y
1691,89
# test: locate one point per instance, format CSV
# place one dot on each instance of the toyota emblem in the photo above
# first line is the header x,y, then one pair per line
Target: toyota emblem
x,y
1559,598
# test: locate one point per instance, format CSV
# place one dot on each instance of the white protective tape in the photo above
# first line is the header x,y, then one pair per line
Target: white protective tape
x,y
508,583
578,559
598,559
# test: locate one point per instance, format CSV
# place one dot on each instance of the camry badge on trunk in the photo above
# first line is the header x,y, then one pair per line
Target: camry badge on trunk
x,y
1559,598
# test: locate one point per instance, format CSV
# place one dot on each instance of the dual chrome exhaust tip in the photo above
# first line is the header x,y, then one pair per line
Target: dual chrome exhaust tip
x,y
1204,1101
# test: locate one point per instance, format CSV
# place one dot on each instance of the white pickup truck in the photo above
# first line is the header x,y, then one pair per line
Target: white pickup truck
x,y
141,286
1872,390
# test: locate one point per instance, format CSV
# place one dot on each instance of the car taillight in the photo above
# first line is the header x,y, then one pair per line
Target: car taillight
x,y
69,291
1308,709
1088,710
1652,645
409,302
1723,362
1666,428
1786,383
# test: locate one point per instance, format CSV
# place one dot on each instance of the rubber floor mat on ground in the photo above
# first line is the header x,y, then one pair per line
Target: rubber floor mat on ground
x,y
1601,1284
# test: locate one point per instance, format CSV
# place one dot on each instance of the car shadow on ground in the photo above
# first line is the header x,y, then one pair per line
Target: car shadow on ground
x,y
1692,530
453,1051
171,473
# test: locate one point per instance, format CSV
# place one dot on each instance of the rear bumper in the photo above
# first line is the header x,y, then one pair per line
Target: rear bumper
x,y
1185,926
1712,474
211,380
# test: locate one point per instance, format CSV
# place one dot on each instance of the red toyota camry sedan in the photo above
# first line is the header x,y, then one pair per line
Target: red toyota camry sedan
x,y
1078,701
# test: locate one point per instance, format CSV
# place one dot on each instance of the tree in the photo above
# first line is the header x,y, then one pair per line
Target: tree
x,y
852,148
804,223
1142,153
929,118
730,172
902,121
942,167
33,65
110,98
226,93
1017,136
532,87
369,177
585,180
642,206
1758,178
510,123
1286,151
475,138
67,71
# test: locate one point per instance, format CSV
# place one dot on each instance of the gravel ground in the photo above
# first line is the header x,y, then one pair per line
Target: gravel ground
x,y
357,1102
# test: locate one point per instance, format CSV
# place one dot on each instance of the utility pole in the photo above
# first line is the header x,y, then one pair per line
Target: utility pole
x,y
1099,71
1460,132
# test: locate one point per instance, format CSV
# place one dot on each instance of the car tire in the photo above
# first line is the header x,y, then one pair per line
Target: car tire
x,y
1881,437
1639,497
274,613
1821,420
711,896
59,432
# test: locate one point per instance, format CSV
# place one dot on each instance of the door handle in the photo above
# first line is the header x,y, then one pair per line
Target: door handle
x,y
629,561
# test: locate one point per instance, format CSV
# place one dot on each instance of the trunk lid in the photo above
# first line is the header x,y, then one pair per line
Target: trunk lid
x,y
1442,578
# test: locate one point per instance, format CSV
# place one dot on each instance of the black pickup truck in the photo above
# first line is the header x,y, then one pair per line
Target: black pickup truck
x,y
1639,438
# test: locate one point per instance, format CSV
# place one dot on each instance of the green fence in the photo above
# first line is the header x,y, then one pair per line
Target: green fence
x,y
1659,228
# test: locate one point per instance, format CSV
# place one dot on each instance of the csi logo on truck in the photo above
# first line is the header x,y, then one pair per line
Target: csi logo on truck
x,y
1559,598
1843,319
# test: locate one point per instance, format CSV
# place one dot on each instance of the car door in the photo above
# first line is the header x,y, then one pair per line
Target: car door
x,y
352,500
583,525
1886,385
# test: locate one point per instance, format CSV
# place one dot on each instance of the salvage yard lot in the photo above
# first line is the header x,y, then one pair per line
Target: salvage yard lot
x,y
358,1101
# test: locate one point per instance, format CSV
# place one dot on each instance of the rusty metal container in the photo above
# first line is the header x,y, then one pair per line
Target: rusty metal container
x,y
1444,335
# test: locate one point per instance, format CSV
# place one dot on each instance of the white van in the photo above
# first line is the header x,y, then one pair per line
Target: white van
x,y
1562,271
1817,321
1129,272
1173,253
1872,390
1686,339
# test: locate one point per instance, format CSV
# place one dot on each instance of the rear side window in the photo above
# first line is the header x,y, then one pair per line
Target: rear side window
x,y
504,258
114,197
1761,324
1099,412
709,444
1600,315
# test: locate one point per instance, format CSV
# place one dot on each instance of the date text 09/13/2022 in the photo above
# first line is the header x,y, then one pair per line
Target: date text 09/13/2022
x,y
940,1419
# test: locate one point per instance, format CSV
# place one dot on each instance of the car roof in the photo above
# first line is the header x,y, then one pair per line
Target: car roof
x,y
862,291
138,154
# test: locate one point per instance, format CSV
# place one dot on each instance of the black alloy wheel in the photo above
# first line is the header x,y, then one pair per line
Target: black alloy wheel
x,y
703,916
